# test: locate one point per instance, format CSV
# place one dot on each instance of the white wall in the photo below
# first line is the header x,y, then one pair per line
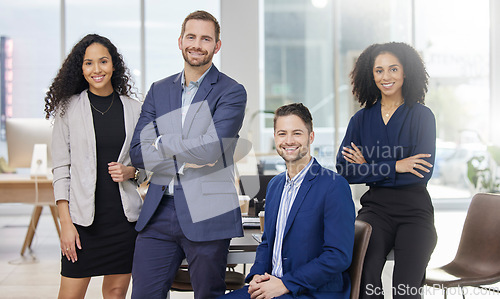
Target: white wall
x,y
240,54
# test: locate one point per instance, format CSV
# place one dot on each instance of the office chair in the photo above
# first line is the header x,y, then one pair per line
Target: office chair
x,y
362,233
477,261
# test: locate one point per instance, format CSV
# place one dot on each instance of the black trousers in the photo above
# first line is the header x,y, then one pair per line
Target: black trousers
x,y
402,219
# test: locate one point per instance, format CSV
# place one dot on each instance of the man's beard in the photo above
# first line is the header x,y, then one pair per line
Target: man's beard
x,y
207,58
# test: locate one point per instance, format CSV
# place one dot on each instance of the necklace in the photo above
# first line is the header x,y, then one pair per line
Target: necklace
x,y
387,114
102,113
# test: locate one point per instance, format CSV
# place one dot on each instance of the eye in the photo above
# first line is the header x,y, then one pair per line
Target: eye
x,y
87,63
394,69
378,71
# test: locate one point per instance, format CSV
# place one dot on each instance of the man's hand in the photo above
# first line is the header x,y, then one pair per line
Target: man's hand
x,y
194,166
266,287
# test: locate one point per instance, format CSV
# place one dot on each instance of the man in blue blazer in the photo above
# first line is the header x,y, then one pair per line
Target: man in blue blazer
x,y
308,237
186,135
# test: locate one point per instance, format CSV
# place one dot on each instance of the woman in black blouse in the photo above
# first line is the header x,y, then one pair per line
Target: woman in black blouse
x,y
98,205
389,146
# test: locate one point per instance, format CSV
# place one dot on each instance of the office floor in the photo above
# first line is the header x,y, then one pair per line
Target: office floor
x,y
37,274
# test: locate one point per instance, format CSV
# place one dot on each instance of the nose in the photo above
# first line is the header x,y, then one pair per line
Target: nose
x,y
385,75
289,139
97,68
197,43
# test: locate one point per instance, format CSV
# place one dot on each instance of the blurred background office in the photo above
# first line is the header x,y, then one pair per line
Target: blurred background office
x,y
282,51
285,51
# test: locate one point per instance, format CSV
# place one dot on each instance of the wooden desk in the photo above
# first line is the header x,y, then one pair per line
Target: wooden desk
x,y
18,188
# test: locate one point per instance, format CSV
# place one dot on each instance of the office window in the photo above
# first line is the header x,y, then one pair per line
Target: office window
x,y
163,28
457,55
117,20
33,28
300,38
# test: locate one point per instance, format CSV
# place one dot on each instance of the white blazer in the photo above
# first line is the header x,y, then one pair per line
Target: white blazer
x,y
74,159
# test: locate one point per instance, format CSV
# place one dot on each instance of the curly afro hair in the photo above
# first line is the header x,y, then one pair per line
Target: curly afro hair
x,y
416,77
70,80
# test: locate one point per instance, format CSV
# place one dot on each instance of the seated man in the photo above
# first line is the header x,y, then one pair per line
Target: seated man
x,y
308,235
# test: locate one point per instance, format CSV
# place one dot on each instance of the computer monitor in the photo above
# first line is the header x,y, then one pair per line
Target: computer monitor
x,y
22,134
256,185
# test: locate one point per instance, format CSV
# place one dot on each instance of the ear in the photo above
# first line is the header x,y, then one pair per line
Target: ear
x,y
311,137
179,42
217,46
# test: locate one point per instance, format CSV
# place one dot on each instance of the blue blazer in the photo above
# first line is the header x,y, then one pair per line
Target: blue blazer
x,y
205,198
318,238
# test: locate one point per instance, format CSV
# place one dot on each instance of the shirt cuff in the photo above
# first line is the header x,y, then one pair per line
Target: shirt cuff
x,y
155,144
181,170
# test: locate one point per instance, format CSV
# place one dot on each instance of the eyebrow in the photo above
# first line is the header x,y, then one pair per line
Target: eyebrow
x,y
203,36
392,65
88,59
295,130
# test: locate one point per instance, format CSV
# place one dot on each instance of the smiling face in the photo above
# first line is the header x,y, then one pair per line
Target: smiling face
x,y
389,76
198,43
98,69
293,140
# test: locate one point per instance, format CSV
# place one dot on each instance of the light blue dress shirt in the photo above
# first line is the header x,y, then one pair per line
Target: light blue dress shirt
x,y
290,190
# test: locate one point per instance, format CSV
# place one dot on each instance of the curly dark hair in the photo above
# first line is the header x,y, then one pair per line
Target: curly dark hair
x,y
416,77
70,80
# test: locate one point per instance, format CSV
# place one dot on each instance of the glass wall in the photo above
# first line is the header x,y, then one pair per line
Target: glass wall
x,y
117,20
457,55
301,63
33,28
310,47
163,27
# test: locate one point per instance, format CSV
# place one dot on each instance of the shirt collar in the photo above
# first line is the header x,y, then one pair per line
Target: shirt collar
x,y
198,82
297,180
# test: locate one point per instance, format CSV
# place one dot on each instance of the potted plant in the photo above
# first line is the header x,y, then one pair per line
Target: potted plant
x,y
482,171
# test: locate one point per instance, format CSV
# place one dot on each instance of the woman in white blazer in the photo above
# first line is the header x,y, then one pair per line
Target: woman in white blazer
x,y
94,184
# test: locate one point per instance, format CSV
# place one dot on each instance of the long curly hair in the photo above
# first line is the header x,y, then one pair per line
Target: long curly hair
x,y
416,77
70,80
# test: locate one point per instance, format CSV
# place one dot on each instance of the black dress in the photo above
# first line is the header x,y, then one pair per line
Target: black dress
x,y
108,243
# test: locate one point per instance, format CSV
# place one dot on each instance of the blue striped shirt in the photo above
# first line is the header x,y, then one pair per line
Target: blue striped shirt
x,y
290,190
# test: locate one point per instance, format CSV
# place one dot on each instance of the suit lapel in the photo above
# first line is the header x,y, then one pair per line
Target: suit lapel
x,y
175,104
88,122
273,206
309,179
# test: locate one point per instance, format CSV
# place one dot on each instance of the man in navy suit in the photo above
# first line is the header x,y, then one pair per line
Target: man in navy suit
x,y
308,237
186,136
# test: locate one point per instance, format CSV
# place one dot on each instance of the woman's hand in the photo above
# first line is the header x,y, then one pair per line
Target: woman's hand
x,y
353,155
70,240
411,164
120,172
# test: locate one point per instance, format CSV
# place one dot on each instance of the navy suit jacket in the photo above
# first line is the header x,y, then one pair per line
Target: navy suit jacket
x,y
205,198
318,238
